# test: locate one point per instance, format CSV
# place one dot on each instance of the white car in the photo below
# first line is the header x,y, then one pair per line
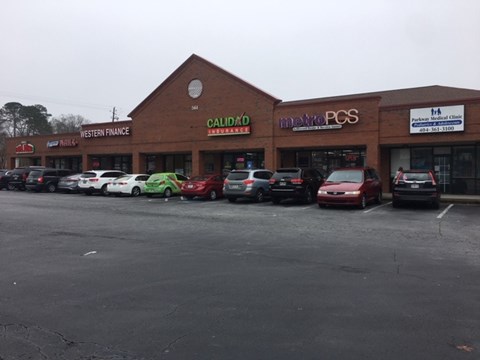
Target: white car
x,y
130,184
96,181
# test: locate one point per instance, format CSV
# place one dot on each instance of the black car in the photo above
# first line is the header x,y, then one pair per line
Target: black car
x,y
45,179
19,175
296,183
416,186
4,178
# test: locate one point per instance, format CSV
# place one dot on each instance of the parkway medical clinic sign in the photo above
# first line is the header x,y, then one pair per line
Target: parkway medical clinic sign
x,y
437,119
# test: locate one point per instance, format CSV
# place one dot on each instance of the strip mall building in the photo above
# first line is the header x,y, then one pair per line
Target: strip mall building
x,y
202,119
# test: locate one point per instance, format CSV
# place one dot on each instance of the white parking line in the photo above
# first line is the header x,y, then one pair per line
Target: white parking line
x,y
376,207
444,211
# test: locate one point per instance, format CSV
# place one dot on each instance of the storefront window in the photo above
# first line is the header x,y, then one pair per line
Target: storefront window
x,y
421,158
179,163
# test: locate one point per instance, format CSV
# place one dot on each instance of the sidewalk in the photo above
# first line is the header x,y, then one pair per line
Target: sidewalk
x,y
449,198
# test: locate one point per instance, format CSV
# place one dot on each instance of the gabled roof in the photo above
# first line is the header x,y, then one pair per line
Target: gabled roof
x,y
196,58
405,97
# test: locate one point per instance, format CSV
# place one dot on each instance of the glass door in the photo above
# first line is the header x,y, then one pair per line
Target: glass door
x,y
442,171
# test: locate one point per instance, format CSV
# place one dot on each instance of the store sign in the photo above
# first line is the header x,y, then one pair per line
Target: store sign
x,y
62,143
329,120
25,148
239,125
108,132
437,119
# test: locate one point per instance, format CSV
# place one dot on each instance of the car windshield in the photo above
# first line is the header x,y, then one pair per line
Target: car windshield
x,y
416,176
35,174
349,176
238,175
286,174
156,177
200,178
123,178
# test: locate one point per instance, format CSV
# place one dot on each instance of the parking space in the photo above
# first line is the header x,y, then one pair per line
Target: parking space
x,y
214,277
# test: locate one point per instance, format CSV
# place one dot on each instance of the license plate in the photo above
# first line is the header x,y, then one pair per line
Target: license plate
x,y
190,186
283,183
234,186
415,186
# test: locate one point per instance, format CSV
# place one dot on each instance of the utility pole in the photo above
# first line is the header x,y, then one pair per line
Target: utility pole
x,y
114,114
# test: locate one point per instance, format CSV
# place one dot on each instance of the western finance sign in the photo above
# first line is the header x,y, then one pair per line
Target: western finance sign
x,y
437,119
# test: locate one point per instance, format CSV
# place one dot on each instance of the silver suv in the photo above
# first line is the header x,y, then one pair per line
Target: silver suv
x,y
247,184
96,181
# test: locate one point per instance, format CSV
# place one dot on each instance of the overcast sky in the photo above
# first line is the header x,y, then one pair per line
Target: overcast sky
x,y
84,57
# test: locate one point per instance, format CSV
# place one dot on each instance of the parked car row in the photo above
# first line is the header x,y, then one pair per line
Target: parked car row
x,y
357,186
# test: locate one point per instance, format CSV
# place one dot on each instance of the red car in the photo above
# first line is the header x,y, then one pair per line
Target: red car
x,y
205,186
351,186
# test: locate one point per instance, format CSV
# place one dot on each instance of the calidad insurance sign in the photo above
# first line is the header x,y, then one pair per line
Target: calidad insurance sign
x,y
438,119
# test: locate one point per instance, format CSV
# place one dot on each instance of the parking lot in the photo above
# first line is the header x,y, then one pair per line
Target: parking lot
x,y
93,277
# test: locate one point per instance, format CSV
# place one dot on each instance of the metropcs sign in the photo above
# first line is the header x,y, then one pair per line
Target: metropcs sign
x,y
329,120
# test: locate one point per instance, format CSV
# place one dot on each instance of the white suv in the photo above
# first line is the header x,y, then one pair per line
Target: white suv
x,y
96,181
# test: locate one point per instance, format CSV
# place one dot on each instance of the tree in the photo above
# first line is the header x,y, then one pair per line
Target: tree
x,y
19,120
67,123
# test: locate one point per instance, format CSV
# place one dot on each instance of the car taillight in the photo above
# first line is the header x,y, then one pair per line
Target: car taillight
x,y
93,179
271,181
122,183
248,182
226,181
297,181
434,183
40,180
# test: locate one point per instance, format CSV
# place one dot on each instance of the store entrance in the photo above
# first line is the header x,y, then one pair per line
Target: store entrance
x,y
441,164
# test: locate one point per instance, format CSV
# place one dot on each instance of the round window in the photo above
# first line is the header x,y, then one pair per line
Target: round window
x,y
195,88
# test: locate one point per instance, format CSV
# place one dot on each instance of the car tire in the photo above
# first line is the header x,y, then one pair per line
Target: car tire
x,y
276,200
10,187
167,193
212,195
232,199
379,197
363,202
308,196
51,188
136,191
259,196
103,190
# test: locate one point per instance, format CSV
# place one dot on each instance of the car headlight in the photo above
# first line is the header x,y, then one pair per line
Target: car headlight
x,y
322,192
356,192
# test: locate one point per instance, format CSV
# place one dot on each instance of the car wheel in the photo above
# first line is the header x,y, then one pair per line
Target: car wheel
x,y
10,187
136,191
363,202
308,196
213,195
232,199
276,200
259,196
51,188
379,198
103,190
167,193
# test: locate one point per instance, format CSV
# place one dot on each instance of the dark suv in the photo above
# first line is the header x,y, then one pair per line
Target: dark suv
x,y
296,183
4,178
45,179
19,175
416,186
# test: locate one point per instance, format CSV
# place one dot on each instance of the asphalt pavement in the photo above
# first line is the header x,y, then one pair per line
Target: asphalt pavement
x,y
92,277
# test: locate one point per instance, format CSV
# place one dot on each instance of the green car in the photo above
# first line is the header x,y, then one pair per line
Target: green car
x,y
165,184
